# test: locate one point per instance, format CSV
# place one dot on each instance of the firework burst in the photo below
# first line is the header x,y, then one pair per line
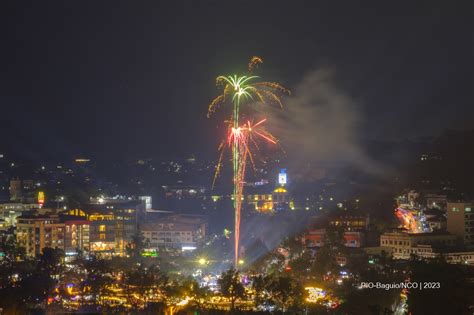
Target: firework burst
x,y
242,139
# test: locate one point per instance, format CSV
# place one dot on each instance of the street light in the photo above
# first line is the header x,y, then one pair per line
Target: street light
x,y
202,261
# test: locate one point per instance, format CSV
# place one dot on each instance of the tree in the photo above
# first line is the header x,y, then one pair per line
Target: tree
x,y
303,264
326,255
286,293
259,286
270,263
138,243
11,250
200,295
231,287
15,293
294,245
51,261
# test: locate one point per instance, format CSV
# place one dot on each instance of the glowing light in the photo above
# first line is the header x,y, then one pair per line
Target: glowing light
x,y
282,177
280,190
412,220
149,253
69,288
41,198
241,137
183,302
202,261
82,160
188,248
315,294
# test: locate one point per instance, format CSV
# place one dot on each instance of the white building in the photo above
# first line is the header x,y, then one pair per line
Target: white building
x,y
403,244
174,233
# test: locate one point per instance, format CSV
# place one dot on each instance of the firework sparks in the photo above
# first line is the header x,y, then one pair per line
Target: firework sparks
x,y
241,138
412,220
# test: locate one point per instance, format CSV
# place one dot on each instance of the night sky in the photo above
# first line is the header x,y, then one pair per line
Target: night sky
x,y
126,79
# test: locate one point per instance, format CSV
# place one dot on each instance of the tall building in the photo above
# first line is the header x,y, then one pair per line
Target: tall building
x,y
16,189
460,221
112,224
76,235
35,232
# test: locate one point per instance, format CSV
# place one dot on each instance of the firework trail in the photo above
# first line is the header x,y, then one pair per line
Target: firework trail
x,y
241,138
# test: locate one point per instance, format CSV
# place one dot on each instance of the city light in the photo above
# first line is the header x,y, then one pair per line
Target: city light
x,y
181,181
315,294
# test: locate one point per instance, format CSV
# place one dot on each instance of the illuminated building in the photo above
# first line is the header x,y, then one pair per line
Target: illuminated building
x,y
35,232
460,221
350,221
261,202
280,195
148,202
10,211
315,238
450,255
102,235
281,199
113,224
282,178
76,235
403,244
182,191
175,233
353,239
278,200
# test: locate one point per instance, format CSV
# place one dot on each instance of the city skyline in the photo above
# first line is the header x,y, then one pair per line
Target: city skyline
x,y
247,157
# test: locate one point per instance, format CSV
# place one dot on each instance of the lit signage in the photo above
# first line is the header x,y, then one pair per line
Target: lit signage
x,y
149,253
41,198
282,177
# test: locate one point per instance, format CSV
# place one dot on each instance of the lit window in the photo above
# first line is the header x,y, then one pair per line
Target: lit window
x,y
102,228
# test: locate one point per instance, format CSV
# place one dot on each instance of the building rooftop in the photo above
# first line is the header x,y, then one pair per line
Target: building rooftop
x,y
405,232
168,226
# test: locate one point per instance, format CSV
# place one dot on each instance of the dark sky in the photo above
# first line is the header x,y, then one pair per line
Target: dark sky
x,y
133,78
